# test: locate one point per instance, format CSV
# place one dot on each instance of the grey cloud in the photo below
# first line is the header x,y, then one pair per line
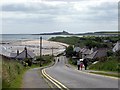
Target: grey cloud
x,y
47,13
65,0
40,8
105,12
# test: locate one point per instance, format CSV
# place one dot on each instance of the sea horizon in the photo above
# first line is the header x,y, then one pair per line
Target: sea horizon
x,y
12,37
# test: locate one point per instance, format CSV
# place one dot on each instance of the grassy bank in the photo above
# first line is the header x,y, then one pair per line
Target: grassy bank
x,y
110,64
13,71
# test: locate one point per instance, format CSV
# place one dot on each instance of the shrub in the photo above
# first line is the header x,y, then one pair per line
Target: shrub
x,y
69,51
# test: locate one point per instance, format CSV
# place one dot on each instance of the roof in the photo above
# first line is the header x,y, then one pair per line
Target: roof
x,y
116,47
13,55
77,49
98,53
22,55
85,51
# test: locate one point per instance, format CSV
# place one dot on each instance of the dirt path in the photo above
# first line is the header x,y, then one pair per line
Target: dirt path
x,y
33,79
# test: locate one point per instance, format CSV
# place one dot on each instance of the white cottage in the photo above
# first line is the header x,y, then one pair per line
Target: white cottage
x,y
116,47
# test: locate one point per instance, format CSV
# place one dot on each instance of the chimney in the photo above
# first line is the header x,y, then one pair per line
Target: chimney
x,y
17,52
25,52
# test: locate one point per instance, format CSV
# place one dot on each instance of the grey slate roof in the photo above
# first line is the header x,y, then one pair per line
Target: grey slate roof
x,y
13,55
22,55
97,54
85,51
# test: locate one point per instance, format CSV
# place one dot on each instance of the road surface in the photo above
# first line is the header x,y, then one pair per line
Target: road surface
x,y
33,79
72,78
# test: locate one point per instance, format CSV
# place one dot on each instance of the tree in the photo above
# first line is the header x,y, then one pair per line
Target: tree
x,y
69,51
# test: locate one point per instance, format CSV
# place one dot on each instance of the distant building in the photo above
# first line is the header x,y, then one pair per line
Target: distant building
x,y
13,55
24,54
106,41
102,52
77,49
85,52
77,53
116,47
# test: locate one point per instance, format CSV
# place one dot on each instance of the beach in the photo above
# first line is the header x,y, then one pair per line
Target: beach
x,y
48,47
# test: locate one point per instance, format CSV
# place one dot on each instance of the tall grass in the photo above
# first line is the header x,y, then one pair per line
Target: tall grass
x,y
110,64
12,72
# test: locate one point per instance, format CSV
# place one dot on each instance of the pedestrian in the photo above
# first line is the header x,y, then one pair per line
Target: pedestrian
x,y
78,64
81,65
85,63
58,59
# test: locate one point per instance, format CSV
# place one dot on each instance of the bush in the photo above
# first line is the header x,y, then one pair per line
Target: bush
x,y
109,53
44,60
69,51
73,62
28,61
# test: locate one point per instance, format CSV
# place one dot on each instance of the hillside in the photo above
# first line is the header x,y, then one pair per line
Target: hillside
x,y
90,41
56,33
108,33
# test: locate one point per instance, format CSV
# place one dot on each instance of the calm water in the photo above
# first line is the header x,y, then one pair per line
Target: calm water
x,y
7,37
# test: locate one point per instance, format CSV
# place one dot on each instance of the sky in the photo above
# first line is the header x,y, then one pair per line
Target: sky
x,y
43,16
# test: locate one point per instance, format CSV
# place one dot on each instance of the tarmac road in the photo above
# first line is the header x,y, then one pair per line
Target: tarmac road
x,y
72,78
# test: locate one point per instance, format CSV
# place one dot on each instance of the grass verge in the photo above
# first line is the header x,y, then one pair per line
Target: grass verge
x,y
13,72
107,74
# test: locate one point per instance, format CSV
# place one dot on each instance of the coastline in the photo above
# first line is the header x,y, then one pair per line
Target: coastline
x,y
33,45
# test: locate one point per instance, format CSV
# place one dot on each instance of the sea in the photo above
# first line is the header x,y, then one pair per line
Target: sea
x,y
12,37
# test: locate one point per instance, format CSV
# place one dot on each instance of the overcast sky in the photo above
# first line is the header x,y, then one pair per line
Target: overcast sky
x,y
74,16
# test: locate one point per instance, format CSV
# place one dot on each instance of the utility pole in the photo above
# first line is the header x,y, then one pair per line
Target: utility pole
x,y
52,51
40,47
40,50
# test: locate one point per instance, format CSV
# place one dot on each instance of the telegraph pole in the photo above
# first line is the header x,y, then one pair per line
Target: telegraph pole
x,y
40,50
40,47
52,51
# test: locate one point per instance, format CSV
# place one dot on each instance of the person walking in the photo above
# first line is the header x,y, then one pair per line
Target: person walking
x,y
85,63
78,64
81,65
58,59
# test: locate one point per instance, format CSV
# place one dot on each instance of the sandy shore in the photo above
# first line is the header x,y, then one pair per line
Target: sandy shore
x,y
33,45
